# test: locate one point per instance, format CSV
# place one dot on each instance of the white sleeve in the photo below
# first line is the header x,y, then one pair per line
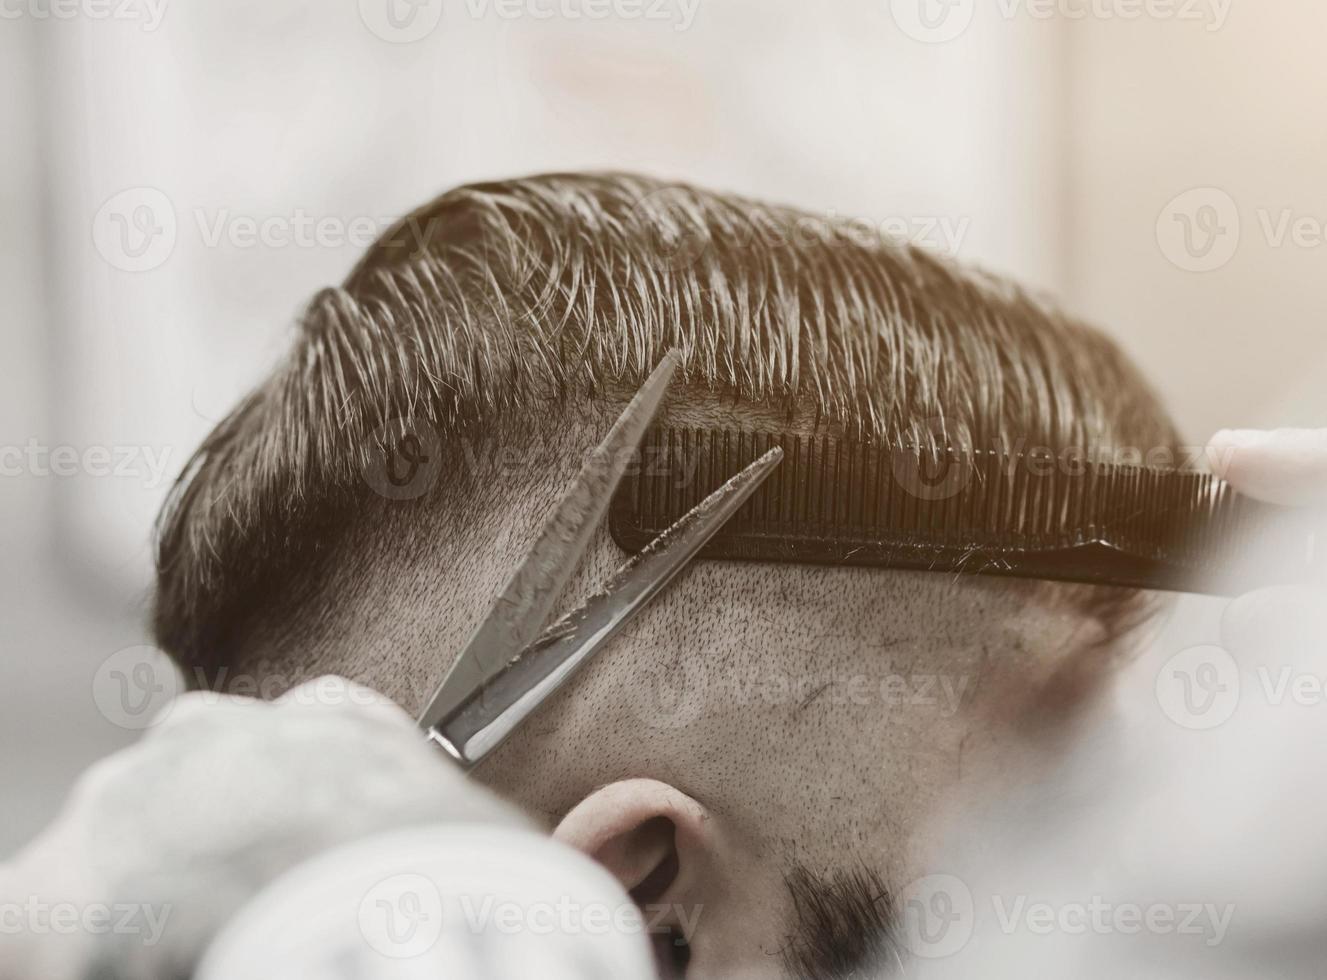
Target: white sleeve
x,y
455,901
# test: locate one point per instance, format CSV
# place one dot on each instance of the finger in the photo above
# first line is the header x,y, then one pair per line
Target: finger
x,y
1283,466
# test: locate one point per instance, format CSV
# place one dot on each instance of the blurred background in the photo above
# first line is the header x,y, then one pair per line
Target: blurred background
x,y
178,179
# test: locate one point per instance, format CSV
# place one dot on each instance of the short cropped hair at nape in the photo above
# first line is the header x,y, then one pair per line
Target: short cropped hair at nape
x,y
495,298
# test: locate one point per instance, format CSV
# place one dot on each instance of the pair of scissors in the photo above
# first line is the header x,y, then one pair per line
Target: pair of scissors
x,y
512,664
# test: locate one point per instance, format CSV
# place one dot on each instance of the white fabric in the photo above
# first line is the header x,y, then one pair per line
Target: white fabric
x,y
162,843
446,901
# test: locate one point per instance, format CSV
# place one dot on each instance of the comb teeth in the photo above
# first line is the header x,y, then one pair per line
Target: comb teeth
x,y
843,502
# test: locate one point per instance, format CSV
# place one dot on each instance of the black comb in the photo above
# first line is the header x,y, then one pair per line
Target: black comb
x,y
1031,515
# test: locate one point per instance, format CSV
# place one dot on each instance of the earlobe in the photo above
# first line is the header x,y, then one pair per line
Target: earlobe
x,y
658,843
640,830
711,902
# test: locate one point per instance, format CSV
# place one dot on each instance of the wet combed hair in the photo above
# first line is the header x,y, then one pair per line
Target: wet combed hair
x,y
497,297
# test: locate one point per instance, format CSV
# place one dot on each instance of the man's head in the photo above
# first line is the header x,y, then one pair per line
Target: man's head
x,y
761,751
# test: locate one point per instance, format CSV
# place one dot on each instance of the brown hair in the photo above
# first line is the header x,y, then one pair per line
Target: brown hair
x,y
497,296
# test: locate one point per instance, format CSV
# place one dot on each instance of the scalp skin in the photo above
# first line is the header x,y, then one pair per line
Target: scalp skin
x,y
820,714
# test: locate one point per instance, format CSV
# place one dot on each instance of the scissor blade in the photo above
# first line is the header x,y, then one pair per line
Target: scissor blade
x,y
524,606
484,722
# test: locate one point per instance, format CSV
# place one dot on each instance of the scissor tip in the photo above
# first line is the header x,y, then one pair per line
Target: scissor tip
x,y
767,461
660,377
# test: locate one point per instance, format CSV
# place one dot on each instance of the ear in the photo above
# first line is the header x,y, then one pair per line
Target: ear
x,y
659,844
639,830
713,905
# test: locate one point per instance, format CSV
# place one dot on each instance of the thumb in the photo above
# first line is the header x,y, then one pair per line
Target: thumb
x,y
1282,466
